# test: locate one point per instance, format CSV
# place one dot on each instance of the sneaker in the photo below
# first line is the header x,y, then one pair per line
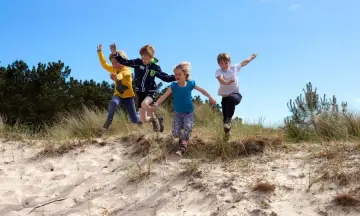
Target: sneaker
x,y
182,150
227,128
161,123
155,124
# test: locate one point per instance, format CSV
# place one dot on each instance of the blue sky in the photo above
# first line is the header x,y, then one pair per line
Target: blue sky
x,y
296,41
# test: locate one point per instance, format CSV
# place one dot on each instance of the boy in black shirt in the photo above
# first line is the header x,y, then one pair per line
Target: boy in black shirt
x,y
146,69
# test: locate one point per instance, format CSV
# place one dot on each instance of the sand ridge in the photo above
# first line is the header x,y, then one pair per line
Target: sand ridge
x,y
96,180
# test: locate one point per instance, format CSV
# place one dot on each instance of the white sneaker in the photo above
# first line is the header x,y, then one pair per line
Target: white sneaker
x,y
227,126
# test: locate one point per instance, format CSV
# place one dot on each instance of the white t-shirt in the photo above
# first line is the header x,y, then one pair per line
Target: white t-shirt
x,y
230,74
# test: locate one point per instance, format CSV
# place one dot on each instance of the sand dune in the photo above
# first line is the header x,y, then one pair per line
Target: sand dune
x,y
96,180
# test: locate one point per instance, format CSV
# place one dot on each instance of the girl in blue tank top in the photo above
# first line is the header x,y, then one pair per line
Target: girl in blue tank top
x,y
183,106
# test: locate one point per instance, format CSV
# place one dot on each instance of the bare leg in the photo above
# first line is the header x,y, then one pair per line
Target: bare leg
x,y
146,106
143,117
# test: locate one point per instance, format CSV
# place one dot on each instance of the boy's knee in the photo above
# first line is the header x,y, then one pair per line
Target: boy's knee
x,y
236,98
144,105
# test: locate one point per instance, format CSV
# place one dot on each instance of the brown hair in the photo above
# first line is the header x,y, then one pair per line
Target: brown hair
x,y
120,52
223,57
185,68
147,50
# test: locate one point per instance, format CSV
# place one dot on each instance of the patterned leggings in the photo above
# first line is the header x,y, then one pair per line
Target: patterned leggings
x,y
183,121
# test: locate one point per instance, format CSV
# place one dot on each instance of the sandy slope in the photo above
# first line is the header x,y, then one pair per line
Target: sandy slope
x,y
93,178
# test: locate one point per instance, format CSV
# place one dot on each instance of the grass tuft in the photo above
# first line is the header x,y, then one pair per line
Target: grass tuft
x,y
346,200
264,187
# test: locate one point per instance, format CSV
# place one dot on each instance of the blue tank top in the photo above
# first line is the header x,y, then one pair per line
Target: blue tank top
x,y
182,97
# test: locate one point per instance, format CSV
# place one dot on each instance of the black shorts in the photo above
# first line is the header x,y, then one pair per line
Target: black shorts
x,y
140,96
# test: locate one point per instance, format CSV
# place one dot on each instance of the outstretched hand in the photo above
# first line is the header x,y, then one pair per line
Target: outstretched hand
x,y
113,48
253,55
230,82
213,102
113,77
99,48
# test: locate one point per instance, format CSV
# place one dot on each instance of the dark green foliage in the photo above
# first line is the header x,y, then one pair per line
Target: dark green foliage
x,y
34,96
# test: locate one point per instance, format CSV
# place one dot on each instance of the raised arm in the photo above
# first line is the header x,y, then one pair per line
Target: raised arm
x,y
162,75
163,97
102,60
130,63
248,60
205,93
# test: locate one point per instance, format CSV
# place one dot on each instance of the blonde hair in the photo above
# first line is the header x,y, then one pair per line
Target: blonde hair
x,y
147,50
223,57
185,68
120,52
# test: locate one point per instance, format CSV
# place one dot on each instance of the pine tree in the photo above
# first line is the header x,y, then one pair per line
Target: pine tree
x,y
306,109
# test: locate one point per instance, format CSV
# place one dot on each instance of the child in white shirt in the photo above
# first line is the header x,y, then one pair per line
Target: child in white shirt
x,y
229,87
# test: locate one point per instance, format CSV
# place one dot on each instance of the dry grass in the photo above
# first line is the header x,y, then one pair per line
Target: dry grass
x,y
137,174
86,124
191,169
75,130
104,212
334,172
141,146
346,200
160,146
333,164
339,127
2,125
264,187
59,148
16,132
328,127
214,147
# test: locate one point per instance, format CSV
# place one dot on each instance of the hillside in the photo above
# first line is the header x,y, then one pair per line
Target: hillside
x,y
112,177
56,162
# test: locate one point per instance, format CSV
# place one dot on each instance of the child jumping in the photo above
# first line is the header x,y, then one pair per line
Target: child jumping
x,y
183,105
229,87
146,69
124,93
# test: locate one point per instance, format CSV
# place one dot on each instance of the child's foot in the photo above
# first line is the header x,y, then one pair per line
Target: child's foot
x,y
155,124
227,128
161,123
183,148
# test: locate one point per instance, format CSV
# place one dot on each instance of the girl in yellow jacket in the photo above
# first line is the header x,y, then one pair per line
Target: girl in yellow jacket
x,y
124,93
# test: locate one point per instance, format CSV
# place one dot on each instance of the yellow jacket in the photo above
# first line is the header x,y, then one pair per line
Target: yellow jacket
x,y
124,75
